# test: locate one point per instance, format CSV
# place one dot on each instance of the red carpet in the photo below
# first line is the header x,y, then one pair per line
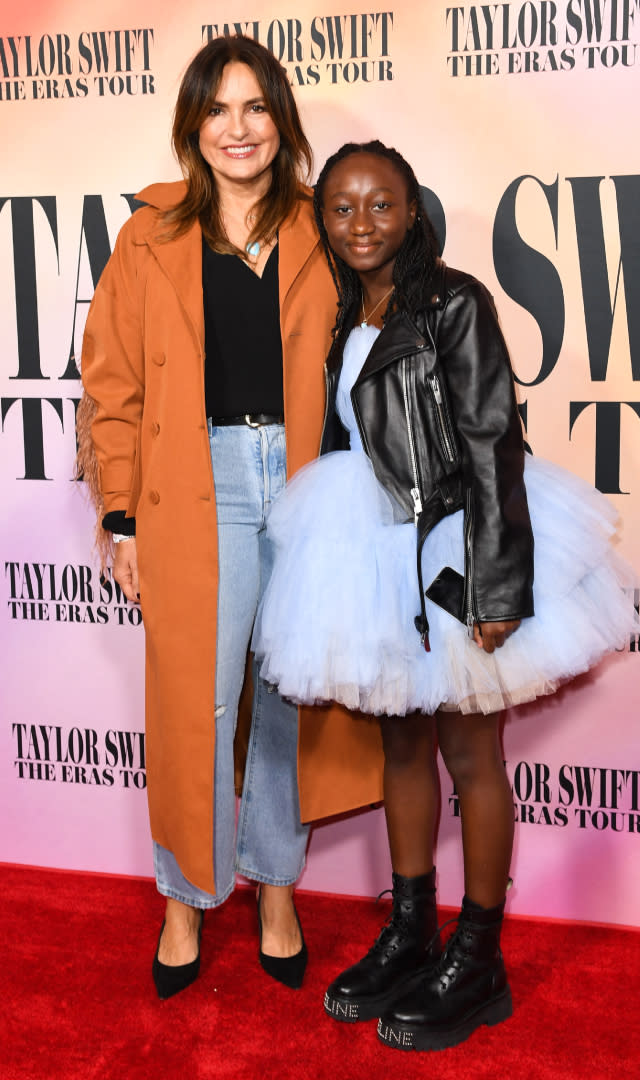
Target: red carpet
x,y
78,1002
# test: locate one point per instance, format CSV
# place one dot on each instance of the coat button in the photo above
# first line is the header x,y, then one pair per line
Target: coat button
x,y
155,428
420,343
159,359
155,497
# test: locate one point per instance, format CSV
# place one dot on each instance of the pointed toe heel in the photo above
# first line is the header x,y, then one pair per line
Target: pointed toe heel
x,y
170,979
288,970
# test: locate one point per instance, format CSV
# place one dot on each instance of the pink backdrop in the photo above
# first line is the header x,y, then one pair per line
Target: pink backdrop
x,y
516,117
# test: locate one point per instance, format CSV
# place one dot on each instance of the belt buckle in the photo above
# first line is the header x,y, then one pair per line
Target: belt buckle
x,y
249,422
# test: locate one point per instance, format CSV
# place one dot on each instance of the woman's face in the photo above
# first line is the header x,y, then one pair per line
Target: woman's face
x,y
239,139
367,212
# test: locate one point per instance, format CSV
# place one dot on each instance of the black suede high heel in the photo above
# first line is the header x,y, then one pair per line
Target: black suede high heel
x,y
170,979
288,970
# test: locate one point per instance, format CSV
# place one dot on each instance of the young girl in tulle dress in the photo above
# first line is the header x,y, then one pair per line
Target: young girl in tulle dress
x,y
407,584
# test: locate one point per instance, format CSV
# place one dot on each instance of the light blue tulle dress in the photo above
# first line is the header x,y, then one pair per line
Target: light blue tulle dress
x,y
336,622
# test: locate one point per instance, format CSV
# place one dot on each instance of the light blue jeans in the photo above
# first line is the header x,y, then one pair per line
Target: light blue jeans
x,y
249,469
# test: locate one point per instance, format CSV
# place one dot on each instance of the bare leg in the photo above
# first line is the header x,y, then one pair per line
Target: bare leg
x,y
411,791
408,942
280,930
471,751
179,942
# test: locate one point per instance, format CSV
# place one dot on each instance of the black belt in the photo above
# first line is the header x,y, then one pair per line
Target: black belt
x,y
251,419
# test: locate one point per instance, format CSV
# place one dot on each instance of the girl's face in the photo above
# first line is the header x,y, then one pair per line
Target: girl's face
x,y
367,213
239,139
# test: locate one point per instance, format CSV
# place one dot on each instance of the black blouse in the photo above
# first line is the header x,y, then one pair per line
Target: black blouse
x,y
243,347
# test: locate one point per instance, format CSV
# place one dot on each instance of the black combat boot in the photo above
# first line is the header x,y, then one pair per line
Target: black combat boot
x,y
402,953
466,988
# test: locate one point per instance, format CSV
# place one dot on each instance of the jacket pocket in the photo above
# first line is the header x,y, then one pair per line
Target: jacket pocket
x,y
443,422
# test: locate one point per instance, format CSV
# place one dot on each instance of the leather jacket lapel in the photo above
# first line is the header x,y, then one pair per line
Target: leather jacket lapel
x,y
400,337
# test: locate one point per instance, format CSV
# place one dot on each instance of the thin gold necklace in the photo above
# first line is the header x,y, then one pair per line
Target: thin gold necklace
x,y
365,318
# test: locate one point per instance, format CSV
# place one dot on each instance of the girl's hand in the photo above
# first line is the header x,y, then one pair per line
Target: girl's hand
x,y
125,569
492,635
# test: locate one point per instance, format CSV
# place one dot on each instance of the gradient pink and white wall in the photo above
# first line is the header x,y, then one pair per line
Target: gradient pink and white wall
x,y
518,118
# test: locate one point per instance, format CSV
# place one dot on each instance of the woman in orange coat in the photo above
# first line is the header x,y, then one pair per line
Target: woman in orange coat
x,y
203,366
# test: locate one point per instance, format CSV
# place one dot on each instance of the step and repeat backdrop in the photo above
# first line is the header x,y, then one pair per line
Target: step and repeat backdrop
x,y
518,118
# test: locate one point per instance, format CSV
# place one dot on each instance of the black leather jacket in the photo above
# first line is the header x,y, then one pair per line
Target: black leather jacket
x,y
436,410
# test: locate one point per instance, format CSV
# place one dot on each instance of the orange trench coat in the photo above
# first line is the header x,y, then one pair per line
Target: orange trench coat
x,y
143,363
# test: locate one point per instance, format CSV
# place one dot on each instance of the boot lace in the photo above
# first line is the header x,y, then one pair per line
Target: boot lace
x,y
455,952
392,933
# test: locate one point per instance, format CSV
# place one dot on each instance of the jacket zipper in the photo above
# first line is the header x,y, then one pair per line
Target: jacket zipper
x,y
415,490
468,564
436,390
326,405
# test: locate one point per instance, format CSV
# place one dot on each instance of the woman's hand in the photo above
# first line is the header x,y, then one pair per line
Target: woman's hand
x,y
492,635
125,568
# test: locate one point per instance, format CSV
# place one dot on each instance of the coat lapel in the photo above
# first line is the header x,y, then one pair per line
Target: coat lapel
x,y
297,240
400,337
181,261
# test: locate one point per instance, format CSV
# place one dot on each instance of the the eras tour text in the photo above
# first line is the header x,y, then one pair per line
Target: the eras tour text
x,y
540,36
79,755
46,592
585,796
334,49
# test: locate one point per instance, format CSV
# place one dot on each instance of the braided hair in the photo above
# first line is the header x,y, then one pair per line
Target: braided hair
x,y
415,262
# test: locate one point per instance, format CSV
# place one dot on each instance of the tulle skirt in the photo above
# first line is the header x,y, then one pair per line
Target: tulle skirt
x,y
336,622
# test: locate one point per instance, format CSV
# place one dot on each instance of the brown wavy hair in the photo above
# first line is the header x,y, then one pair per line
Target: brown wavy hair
x,y
291,166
